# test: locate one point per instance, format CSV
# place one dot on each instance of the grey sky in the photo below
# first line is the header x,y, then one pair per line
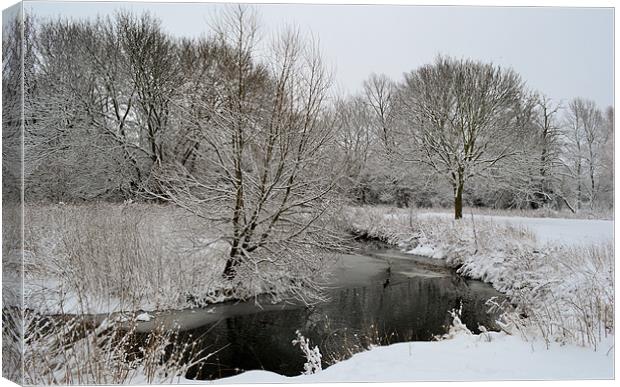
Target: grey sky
x,y
563,52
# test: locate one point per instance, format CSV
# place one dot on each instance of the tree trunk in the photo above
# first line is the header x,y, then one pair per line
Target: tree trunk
x,y
592,186
567,203
579,186
230,270
458,200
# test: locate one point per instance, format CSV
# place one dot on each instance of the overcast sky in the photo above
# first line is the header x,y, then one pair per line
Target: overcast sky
x,y
563,52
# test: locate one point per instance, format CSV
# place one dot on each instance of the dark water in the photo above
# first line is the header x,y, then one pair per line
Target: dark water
x,y
372,300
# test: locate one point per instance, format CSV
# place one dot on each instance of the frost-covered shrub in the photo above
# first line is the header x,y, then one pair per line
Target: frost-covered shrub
x,y
457,327
561,293
567,296
377,223
313,355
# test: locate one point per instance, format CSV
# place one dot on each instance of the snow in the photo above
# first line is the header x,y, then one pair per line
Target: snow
x,y
566,231
144,317
465,357
427,251
551,230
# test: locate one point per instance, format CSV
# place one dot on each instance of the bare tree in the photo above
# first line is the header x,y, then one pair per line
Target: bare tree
x,y
201,93
517,179
104,87
547,142
61,133
153,67
606,180
263,172
459,115
379,92
355,137
585,135
17,58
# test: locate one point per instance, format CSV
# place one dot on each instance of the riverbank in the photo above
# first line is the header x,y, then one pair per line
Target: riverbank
x,y
557,272
92,274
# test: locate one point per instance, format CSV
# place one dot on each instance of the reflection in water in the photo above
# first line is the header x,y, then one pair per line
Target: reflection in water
x,y
370,302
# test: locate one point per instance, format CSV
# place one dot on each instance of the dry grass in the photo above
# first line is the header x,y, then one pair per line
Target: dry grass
x,y
105,257
455,240
12,359
78,259
341,344
564,295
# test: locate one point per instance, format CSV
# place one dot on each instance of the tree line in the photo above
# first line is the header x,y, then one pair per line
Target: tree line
x,y
460,131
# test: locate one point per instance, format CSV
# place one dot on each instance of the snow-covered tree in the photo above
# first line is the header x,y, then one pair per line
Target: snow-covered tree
x,y
261,172
460,116
585,135
531,177
379,92
606,180
101,108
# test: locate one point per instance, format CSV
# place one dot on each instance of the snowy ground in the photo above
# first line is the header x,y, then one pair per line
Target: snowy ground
x,y
551,230
463,358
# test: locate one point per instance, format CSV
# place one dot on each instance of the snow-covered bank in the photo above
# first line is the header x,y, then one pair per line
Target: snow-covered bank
x,y
557,273
465,357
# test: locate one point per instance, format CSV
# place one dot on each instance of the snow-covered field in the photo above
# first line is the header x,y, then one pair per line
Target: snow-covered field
x,y
551,230
463,358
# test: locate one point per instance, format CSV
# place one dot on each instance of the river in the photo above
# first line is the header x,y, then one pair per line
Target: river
x,y
376,298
